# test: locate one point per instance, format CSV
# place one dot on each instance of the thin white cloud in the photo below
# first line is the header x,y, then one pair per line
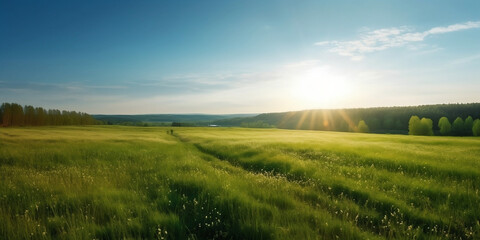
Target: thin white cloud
x,y
466,59
455,27
322,43
382,39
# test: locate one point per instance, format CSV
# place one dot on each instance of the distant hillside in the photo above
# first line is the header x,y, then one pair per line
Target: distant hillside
x,y
198,119
380,119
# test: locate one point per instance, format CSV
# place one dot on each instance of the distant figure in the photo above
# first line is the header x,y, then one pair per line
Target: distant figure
x,y
171,131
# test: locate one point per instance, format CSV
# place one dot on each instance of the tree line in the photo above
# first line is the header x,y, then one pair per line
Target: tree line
x,y
379,120
13,114
424,126
256,124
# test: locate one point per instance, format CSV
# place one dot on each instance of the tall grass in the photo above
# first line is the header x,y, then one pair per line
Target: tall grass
x,y
142,183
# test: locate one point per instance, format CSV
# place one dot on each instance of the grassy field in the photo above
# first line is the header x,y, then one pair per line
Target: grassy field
x,y
226,183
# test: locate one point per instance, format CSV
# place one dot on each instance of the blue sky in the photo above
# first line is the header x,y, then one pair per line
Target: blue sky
x,y
237,56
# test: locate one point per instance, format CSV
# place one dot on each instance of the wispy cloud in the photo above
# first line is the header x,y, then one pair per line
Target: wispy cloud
x,y
466,59
382,39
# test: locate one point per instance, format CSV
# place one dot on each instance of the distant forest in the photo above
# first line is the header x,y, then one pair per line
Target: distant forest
x,y
12,114
376,120
379,120
165,119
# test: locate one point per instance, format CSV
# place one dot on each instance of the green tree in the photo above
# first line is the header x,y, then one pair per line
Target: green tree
x,y
476,127
468,126
414,125
445,126
426,126
458,127
362,127
40,117
29,115
6,114
12,114
18,117
420,127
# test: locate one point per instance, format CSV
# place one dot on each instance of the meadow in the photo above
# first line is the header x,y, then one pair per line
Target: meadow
x,y
113,182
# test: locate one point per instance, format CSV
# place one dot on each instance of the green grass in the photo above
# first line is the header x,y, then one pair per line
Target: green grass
x,y
230,183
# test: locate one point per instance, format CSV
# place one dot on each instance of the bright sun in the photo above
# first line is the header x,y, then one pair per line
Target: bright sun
x,y
319,86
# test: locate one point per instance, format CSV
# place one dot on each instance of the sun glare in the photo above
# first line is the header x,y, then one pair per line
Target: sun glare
x,y
319,86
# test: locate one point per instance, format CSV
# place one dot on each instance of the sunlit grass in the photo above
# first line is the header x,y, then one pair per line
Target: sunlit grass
x,y
222,183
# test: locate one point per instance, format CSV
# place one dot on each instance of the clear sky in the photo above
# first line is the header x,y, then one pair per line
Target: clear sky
x,y
136,57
